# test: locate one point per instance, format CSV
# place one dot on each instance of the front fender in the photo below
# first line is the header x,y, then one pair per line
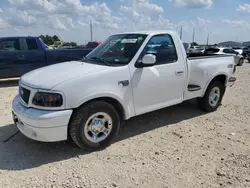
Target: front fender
x,y
125,101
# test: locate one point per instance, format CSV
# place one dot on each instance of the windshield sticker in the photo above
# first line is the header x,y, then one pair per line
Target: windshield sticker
x,y
129,41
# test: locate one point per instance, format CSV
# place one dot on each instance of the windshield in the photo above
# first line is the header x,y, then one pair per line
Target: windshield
x,y
118,49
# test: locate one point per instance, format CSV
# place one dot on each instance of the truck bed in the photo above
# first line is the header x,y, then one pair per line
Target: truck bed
x,y
203,66
202,56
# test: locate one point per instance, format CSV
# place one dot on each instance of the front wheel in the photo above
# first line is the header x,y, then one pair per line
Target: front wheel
x,y
213,97
94,125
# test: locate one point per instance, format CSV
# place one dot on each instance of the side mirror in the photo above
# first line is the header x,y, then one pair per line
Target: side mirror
x,y
149,59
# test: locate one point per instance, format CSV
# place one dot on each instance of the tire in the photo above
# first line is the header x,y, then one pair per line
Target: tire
x,y
241,61
79,125
204,102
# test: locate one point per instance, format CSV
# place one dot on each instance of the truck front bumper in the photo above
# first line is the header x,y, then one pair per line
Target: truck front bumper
x,y
41,125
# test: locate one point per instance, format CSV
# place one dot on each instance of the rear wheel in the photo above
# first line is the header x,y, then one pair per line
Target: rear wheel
x,y
94,125
213,97
241,61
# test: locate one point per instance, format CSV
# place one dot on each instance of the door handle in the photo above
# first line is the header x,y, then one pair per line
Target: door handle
x,y
179,73
21,57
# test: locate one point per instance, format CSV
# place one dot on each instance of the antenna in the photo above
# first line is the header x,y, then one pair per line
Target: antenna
x,y
91,31
207,39
193,34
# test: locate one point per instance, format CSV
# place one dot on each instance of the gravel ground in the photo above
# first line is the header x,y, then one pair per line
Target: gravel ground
x,y
175,147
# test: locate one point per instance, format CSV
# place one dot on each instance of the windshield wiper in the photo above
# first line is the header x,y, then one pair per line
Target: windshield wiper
x,y
85,58
101,60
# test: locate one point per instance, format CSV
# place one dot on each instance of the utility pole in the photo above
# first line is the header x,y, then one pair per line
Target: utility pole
x,y
91,31
181,33
207,39
193,34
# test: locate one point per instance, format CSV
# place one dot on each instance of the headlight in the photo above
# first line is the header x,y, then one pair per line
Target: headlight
x,y
47,99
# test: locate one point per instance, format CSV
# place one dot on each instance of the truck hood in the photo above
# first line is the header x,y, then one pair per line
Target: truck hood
x,y
50,76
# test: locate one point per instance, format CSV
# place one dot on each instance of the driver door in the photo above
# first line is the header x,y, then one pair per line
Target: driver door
x,y
160,85
11,57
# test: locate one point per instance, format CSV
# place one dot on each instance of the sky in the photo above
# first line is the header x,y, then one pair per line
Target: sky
x,y
223,20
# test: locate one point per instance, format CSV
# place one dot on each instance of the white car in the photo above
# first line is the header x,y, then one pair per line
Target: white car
x,y
239,59
238,49
196,49
127,75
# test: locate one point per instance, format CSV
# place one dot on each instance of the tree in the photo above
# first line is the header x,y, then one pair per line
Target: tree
x,y
73,43
42,37
66,44
69,44
56,38
49,40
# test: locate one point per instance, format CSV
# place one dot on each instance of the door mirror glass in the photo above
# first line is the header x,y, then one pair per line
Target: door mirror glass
x,y
149,59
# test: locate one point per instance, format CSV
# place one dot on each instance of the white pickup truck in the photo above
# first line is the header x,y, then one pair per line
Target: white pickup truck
x,y
127,75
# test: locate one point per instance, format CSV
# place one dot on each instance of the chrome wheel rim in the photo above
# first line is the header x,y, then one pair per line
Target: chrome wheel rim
x,y
98,127
214,96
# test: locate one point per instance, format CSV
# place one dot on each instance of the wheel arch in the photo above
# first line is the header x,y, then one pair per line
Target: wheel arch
x,y
221,77
123,110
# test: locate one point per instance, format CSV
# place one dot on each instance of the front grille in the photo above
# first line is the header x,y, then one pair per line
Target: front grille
x,y
24,94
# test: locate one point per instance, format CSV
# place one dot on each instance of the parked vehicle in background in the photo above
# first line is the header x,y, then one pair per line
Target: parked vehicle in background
x,y
248,57
65,47
56,44
239,59
19,55
127,75
196,50
93,44
238,49
246,52
48,47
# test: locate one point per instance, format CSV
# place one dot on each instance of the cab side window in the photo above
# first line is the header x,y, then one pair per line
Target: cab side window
x,y
10,45
162,46
32,45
